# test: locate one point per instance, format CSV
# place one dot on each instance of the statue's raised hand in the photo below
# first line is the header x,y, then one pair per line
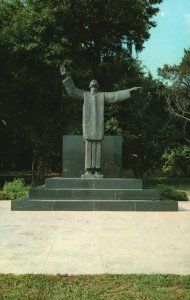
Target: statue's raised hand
x,y
63,70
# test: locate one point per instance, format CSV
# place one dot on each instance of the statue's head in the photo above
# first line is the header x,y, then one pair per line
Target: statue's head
x,y
94,86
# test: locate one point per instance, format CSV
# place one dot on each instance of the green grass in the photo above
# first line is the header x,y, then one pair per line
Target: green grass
x,y
116,287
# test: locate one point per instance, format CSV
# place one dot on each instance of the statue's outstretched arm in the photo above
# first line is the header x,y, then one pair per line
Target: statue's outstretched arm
x,y
112,97
135,88
70,87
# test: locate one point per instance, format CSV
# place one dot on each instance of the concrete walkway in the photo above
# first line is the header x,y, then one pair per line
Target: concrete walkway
x,y
94,242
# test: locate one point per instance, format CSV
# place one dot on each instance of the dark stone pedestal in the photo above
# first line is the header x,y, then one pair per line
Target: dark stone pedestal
x,y
71,192
93,194
73,156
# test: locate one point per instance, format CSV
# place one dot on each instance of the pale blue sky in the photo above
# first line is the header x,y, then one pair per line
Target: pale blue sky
x,y
170,37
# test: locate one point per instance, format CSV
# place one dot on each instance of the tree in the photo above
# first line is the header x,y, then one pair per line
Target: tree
x,y
177,91
93,38
146,126
83,33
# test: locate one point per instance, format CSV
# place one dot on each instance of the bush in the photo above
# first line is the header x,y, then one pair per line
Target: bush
x,y
15,189
170,192
177,161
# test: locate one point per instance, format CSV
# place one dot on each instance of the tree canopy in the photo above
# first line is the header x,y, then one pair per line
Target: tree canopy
x,y
80,33
177,91
94,39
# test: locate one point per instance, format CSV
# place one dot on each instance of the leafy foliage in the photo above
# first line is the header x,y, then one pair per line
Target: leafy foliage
x,y
170,192
177,91
146,126
14,189
177,161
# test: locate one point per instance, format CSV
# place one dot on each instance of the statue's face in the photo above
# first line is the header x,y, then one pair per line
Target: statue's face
x,y
94,90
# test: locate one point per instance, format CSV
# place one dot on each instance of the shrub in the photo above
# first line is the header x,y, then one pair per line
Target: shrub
x,y
177,161
170,192
15,189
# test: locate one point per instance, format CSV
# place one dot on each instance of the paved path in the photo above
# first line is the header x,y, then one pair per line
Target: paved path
x,y
94,242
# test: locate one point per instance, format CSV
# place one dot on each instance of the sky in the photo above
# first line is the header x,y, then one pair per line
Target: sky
x,y
169,38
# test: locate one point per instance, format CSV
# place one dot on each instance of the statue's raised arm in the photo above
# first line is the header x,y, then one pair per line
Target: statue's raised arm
x,y
69,85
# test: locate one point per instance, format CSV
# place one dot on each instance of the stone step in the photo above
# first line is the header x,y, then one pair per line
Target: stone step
x,y
106,183
93,194
26,204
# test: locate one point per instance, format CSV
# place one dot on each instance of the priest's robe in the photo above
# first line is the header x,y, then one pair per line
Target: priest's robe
x,y
93,108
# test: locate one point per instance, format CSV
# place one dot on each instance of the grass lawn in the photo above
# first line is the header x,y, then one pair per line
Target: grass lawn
x,y
118,287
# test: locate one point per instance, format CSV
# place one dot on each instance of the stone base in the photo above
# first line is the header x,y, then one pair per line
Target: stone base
x,y
26,204
66,194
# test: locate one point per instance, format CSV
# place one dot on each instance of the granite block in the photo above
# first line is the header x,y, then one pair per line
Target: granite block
x,y
114,205
163,205
73,205
91,194
146,194
68,183
106,183
30,205
50,194
118,183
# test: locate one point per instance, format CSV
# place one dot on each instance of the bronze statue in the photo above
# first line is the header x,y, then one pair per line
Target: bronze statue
x,y
93,119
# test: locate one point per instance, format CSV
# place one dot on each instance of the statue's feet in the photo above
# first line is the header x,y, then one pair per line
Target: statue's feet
x,y
88,173
97,173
